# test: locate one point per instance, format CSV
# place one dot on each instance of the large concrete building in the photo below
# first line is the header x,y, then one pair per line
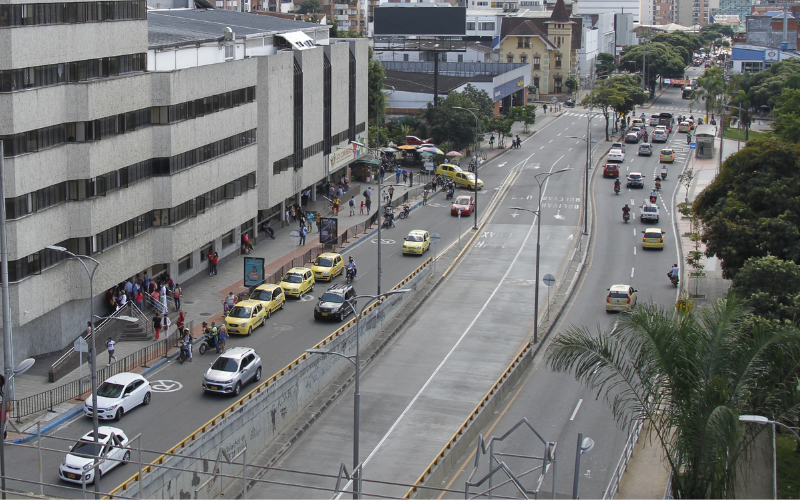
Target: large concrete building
x,y
147,139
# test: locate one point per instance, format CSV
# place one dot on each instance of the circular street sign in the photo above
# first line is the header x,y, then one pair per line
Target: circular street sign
x,y
554,100
436,237
549,279
165,385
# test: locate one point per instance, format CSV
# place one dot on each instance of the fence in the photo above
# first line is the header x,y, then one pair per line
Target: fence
x,y
622,464
71,390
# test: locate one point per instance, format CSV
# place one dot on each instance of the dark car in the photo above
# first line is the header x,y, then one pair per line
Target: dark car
x,y
645,150
334,303
611,170
569,103
632,137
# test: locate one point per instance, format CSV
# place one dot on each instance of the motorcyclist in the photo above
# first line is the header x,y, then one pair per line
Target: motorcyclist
x,y
658,183
351,266
625,210
616,184
388,215
646,137
663,171
653,196
674,272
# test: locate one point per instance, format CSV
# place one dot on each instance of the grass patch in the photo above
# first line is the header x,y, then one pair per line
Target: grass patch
x,y
732,133
788,465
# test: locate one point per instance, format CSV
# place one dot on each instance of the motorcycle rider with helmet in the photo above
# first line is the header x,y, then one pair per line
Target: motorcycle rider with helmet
x,y
625,211
616,185
351,266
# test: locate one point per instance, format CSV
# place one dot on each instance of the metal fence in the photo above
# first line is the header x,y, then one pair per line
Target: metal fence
x,y
48,399
622,464
465,69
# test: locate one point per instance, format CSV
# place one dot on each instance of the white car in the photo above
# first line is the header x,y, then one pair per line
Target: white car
x,y
119,395
649,213
653,120
659,135
113,451
616,155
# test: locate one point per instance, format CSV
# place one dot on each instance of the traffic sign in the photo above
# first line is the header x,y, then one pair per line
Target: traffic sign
x,y
549,279
80,345
692,145
554,100
684,306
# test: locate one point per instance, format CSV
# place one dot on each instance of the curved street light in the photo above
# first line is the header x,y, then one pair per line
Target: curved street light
x,y
472,111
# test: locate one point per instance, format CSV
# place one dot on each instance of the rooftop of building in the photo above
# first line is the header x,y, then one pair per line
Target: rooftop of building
x,y
423,82
175,27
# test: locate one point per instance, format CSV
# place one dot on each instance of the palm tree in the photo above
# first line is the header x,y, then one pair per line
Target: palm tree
x,y
691,375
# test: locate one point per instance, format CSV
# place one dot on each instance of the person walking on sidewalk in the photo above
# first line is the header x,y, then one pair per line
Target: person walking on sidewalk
x,y
163,293
390,192
165,324
187,341
138,299
369,205
491,141
361,212
303,231
176,296
424,197
405,175
411,179
214,263
181,323
352,204
157,325
110,346
222,336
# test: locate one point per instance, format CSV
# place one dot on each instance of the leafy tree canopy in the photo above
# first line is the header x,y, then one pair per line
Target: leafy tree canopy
x,y
619,93
605,65
308,6
770,287
710,89
711,32
662,60
687,41
752,208
765,87
457,126
376,99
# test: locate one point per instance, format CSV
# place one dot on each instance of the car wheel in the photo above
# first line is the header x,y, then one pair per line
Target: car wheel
x,y
146,400
258,375
237,388
282,304
126,458
312,288
118,415
202,348
249,330
269,313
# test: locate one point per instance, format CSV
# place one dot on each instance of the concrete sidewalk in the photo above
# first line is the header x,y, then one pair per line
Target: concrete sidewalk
x,y
202,299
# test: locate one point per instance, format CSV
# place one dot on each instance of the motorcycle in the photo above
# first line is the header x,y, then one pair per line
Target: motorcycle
x,y
616,189
404,213
351,275
184,354
206,343
653,198
388,221
449,194
658,185
626,217
664,175
673,279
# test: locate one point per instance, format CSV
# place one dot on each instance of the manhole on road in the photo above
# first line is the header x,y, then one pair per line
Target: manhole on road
x,y
205,314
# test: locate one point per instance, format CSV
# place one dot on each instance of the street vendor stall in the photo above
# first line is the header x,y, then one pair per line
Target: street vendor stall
x,y
364,170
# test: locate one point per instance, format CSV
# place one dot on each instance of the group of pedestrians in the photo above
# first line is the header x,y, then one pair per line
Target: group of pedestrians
x,y
134,290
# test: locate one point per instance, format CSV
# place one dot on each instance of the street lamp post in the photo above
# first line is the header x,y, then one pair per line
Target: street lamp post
x,y
472,110
588,142
18,370
356,360
758,419
585,445
544,176
93,352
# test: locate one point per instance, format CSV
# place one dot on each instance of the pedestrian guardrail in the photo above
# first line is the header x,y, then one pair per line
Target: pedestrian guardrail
x,y
622,464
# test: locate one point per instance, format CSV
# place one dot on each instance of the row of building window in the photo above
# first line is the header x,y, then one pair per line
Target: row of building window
x,y
35,263
489,26
83,189
72,72
95,130
32,14
286,163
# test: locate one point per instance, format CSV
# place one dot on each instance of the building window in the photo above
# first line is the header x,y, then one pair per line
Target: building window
x,y
405,57
520,42
184,263
460,57
229,52
471,26
486,26
229,238
523,58
558,60
510,58
536,82
537,63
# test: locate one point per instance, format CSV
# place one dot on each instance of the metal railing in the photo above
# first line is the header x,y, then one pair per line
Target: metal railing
x,y
622,464
48,399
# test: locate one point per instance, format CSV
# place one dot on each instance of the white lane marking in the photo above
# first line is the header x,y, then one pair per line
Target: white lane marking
x,y
570,149
577,407
551,140
634,250
559,135
458,342
542,147
634,231
632,273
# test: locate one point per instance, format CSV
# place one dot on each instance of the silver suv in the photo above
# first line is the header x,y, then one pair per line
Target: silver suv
x,y
232,369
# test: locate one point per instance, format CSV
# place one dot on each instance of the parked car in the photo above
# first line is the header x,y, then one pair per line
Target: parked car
x,y
231,370
271,296
118,395
413,140
297,281
113,450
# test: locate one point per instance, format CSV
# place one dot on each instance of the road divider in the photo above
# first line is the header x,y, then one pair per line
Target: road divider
x,y
256,419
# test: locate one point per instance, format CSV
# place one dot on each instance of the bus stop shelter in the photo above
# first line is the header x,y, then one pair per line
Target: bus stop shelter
x,y
704,137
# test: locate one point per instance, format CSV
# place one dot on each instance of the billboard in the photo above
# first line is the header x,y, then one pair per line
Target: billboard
x,y
253,271
329,230
420,20
729,19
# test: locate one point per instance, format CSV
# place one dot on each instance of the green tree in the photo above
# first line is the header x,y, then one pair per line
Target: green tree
x,y
690,376
752,208
480,99
765,87
457,126
688,42
660,59
501,125
524,114
711,32
376,99
571,84
787,116
619,93
770,287
711,89
605,65
334,31
308,6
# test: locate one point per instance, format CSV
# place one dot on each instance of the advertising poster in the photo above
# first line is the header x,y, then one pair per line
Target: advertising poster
x,y
329,230
253,271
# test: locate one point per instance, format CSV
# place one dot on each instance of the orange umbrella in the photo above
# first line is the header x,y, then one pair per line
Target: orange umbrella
x,y
406,146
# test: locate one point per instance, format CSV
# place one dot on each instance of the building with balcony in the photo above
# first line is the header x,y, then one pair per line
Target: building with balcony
x,y
148,139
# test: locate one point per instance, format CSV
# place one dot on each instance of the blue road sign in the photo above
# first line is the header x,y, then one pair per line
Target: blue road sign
x,y
692,145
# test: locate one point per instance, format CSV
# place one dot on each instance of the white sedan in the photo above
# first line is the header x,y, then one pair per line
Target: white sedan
x,y
616,155
119,395
112,451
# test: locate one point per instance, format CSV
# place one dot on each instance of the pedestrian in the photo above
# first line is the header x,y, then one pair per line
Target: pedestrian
x,y
352,204
369,205
229,302
410,179
129,289
187,341
176,296
433,183
215,335
544,107
385,197
268,230
110,346
293,213
339,192
491,141
367,193
397,175
405,175
361,212
222,335
303,232
181,323
123,299
138,299
214,264
286,216
165,324
157,325
163,293
157,299
336,202
424,197
318,220
391,192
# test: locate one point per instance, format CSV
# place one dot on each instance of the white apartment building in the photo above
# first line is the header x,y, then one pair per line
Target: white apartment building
x,y
147,139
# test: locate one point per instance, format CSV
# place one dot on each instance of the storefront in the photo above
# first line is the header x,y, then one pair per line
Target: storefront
x,y
364,170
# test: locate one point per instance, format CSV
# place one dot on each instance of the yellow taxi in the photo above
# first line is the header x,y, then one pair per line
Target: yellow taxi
x,y
417,242
467,180
244,317
685,126
653,238
297,282
327,266
271,297
448,171
667,156
621,298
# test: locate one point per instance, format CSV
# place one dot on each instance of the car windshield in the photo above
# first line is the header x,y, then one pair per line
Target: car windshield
x,y
644,146
293,278
666,152
634,176
650,234
332,297
414,237
261,295
108,390
650,209
240,312
462,201
86,448
224,364
618,295
324,262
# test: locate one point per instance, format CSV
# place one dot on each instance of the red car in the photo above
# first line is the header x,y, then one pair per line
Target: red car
x,y
611,170
466,204
413,140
